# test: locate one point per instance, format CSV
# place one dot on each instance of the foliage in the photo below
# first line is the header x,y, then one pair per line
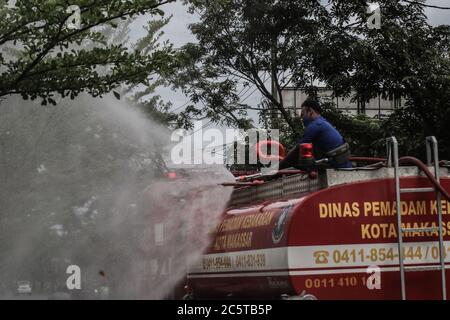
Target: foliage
x,y
427,109
361,132
41,56
304,43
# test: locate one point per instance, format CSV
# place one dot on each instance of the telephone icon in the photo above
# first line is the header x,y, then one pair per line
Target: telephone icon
x,y
321,257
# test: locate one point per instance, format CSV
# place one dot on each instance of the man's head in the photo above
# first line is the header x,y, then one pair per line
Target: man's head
x,y
311,107
310,111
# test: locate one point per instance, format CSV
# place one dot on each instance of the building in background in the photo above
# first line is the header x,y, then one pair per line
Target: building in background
x,y
375,108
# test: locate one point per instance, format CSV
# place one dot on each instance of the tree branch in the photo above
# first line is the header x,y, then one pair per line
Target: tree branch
x,y
56,40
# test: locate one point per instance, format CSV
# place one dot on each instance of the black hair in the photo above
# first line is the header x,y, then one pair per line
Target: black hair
x,y
313,104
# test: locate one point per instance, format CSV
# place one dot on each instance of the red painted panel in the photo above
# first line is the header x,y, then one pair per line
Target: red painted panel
x,y
330,238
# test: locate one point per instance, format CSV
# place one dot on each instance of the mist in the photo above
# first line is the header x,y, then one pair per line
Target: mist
x,y
85,183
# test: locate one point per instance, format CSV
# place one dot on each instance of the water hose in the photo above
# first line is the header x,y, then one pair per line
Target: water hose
x,y
414,161
427,172
250,180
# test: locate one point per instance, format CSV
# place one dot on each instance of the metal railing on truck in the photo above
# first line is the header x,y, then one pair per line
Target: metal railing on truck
x,y
432,159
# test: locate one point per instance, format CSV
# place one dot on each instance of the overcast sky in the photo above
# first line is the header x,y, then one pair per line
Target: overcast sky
x,y
437,16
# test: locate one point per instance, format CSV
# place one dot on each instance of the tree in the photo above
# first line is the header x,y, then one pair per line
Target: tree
x,y
305,43
42,56
250,42
145,95
427,110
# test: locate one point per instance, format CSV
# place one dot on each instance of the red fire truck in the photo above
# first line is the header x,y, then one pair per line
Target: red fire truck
x,y
377,231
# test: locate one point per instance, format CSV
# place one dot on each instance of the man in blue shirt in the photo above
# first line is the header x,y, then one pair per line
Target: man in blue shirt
x,y
320,133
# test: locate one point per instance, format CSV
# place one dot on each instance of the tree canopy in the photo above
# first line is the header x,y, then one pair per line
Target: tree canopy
x,y
307,43
42,55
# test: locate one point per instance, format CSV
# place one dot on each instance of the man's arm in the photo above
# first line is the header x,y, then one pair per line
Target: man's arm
x,y
292,158
310,133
